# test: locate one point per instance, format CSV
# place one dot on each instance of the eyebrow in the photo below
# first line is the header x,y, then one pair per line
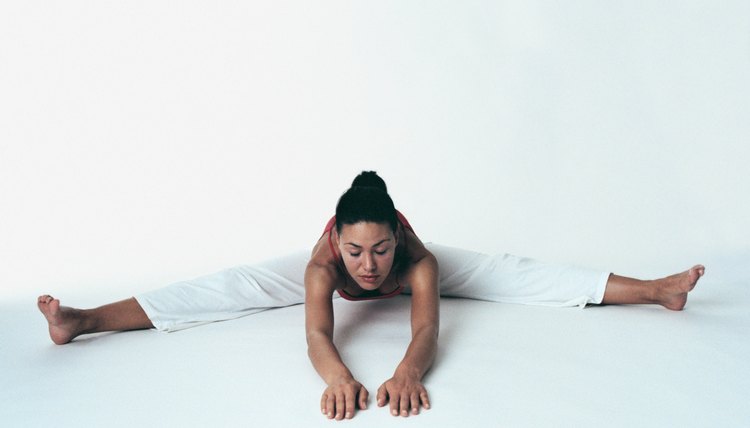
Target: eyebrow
x,y
359,246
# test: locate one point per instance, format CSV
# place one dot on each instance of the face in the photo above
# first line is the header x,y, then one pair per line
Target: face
x,y
368,251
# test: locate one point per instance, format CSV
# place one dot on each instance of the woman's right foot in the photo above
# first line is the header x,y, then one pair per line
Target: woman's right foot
x,y
64,323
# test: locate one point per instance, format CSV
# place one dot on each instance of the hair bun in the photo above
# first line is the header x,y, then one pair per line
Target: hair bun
x,y
369,179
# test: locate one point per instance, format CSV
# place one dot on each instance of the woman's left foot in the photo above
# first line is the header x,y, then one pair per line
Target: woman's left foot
x,y
671,292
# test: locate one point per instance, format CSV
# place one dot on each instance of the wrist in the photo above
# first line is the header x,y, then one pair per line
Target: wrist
x,y
338,378
408,372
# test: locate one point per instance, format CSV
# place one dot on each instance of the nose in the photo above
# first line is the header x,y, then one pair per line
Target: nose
x,y
369,263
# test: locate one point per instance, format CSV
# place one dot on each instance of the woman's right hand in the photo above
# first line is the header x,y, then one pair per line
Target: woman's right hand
x,y
342,397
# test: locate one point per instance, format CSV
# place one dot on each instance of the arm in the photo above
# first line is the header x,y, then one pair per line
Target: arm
x,y
343,392
404,390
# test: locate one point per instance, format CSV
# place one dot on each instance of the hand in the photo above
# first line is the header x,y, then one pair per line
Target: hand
x,y
404,394
340,399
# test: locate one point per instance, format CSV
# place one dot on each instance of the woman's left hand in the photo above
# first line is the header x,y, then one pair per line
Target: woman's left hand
x,y
404,394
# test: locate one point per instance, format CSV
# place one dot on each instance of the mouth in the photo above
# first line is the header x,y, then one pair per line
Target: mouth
x,y
371,279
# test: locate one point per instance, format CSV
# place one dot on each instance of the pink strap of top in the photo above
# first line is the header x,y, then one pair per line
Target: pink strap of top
x,y
331,224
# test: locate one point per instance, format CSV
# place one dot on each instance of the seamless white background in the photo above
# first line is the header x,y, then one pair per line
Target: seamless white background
x,y
146,142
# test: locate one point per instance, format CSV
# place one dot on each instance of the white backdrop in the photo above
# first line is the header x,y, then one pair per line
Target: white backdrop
x,y
146,142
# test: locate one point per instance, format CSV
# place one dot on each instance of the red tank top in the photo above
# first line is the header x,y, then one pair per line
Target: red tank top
x,y
367,295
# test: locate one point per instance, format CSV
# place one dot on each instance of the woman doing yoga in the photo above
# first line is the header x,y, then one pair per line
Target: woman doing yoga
x,y
367,251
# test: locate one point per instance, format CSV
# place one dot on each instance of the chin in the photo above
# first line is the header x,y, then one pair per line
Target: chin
x,y
369,286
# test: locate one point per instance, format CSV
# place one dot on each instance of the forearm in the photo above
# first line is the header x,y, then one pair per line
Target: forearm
x,y
420,354
425,319
343,394
326,359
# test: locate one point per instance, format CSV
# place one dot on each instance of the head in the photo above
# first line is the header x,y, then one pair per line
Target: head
x,y
366,226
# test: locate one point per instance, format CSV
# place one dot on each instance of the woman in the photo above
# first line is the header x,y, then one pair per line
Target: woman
x,y
367,251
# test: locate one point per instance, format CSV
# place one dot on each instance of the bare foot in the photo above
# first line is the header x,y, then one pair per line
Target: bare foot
x,y
64,322
672,291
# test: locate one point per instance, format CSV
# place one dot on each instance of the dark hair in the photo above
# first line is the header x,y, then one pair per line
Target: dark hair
x,y
369,179
367,200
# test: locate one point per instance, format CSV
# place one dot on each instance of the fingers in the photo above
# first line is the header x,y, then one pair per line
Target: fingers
x,y
394,402
340,403
425,399
382,396
404,402
350,402
363,396
386,396
414,403
419,397
330,405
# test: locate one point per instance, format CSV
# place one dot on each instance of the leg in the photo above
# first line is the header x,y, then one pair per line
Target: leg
x,y
66,323
231,293
670,292
511,279
228,294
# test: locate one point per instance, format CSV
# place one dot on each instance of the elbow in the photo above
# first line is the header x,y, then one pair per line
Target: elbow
x,y
315,338
435,333
310,336
429,332
310,345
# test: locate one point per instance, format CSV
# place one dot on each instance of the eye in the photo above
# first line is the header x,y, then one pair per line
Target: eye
x,y
354,254
380,253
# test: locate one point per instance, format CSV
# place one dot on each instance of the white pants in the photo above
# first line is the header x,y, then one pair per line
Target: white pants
x,y
245,290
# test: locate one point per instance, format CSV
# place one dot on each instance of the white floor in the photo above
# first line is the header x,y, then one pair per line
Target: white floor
x,y
498,365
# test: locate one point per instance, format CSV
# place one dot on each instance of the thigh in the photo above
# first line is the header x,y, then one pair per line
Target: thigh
x,y
227,294
458,270
513,279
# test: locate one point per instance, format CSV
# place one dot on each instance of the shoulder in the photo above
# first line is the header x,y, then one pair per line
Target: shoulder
x,y
321,280
415,256
322,271
404,222
413,246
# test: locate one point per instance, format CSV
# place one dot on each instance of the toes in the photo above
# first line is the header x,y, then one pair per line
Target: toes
x,y
697,271
48,304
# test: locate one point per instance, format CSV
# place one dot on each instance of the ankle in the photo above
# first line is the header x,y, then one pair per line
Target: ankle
x,y
652,291
88,321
